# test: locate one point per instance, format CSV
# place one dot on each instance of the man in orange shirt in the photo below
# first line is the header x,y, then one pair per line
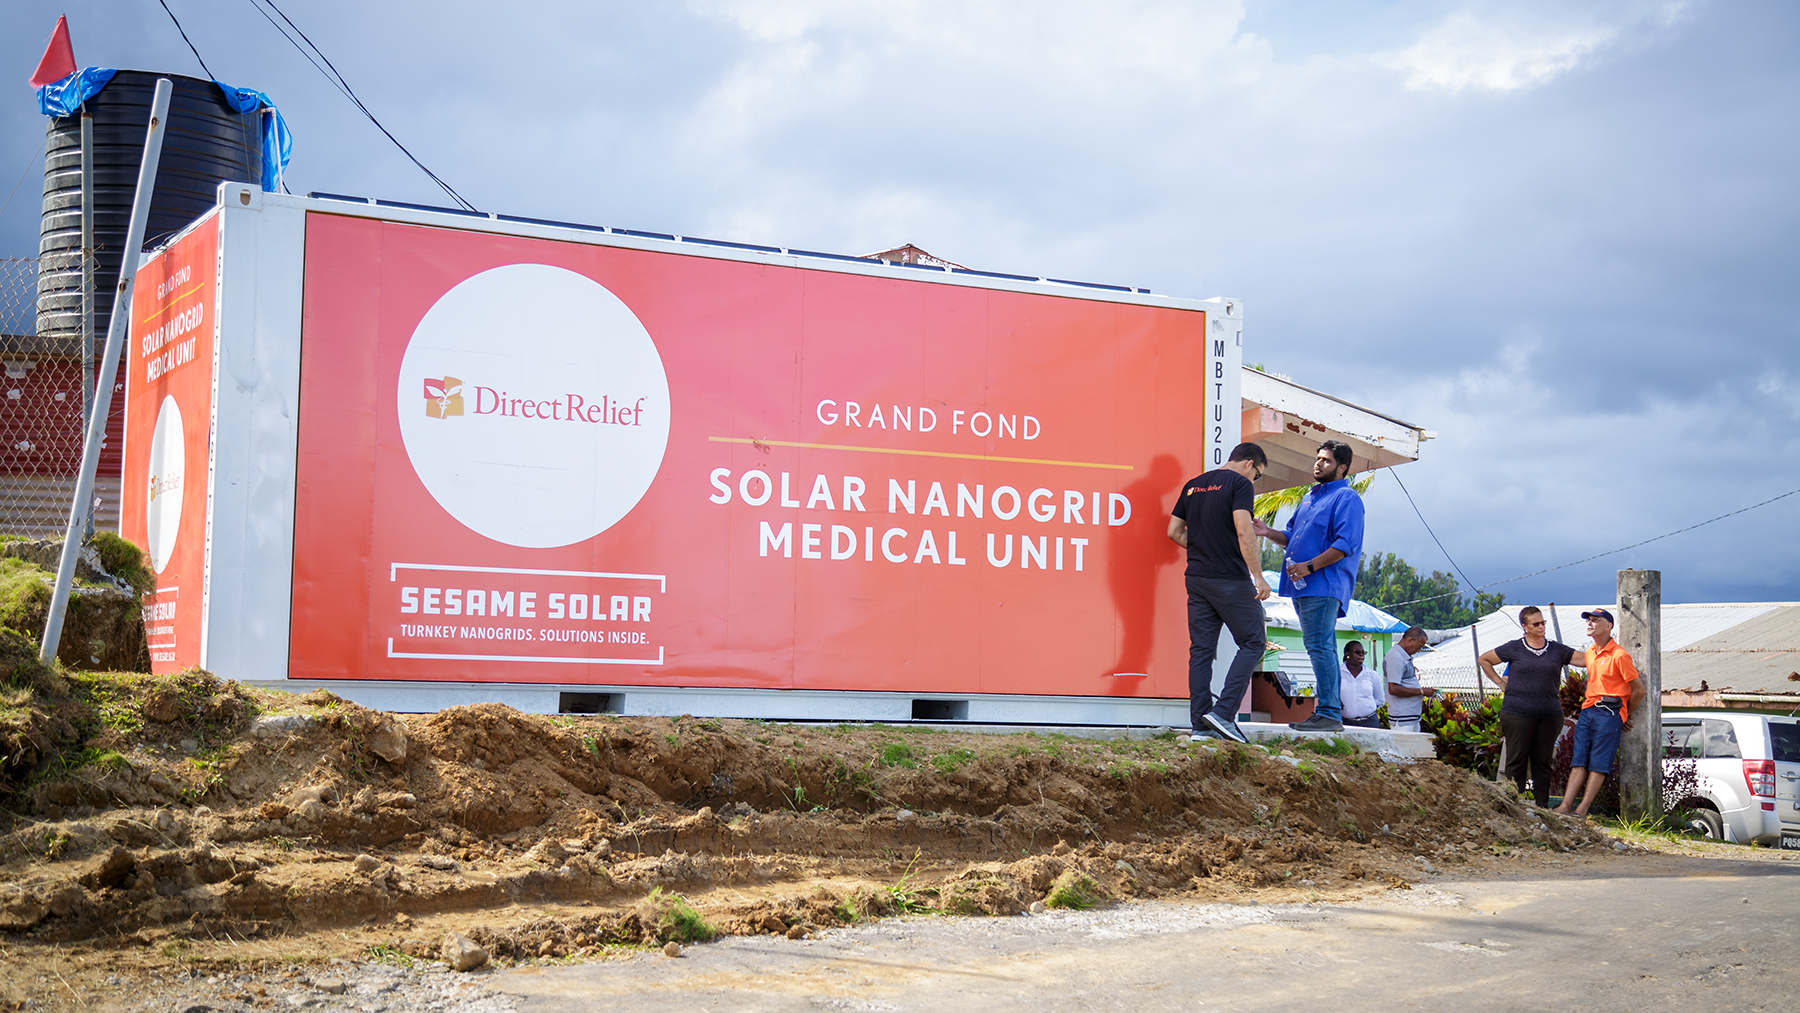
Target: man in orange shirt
x,y
1613,690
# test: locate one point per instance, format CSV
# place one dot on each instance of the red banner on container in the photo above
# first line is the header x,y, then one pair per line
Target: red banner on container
x,y
168,406
532,461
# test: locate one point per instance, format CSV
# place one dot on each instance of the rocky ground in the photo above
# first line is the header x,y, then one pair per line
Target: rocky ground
x,y
175,839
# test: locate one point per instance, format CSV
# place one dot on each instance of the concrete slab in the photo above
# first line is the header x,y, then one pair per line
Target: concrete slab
x,y
1414,745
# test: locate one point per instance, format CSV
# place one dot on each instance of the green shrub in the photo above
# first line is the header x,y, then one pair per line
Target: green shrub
x,y
669,916
1467,737
1074,891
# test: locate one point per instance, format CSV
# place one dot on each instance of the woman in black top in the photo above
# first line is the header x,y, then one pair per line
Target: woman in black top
x,y
1531,717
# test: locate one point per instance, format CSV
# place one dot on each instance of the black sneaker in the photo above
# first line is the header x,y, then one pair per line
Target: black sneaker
x,y
1317,724
1226,728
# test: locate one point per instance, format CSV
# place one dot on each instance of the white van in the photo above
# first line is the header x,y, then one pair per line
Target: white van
x,y
1748,769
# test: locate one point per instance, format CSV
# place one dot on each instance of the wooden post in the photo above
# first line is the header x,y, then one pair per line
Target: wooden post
x,y
1639,632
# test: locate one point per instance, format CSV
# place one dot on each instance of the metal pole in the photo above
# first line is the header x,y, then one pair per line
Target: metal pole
x,y
1480,682
1640,749
116,329
87,285
1562,674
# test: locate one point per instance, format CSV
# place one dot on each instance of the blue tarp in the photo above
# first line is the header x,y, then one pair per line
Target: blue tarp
x,y
65,97
277,142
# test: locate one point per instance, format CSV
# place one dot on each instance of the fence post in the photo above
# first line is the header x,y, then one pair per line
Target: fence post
x,y
116,331
1640,749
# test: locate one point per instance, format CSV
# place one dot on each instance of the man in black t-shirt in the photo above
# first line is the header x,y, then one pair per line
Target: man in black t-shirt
x,y
1211,520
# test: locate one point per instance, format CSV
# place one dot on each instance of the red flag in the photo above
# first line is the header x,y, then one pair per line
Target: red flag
x,y
59,57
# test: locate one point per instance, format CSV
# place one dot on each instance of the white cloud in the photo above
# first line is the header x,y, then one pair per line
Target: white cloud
x,y
1523,478
1512,52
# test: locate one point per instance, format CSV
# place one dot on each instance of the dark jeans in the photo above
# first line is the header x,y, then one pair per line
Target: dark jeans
x,y
1531,739
1212,603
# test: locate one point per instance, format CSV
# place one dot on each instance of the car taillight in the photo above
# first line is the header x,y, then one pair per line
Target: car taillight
x,y
1760,776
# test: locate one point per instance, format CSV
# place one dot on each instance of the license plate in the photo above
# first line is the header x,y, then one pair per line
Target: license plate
x,y
1790,841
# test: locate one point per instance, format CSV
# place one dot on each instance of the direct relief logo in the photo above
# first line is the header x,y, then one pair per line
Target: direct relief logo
x,y
443,398
564,429
168,471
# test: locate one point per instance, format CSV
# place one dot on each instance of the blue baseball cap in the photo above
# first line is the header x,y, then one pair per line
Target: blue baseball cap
x,y
1600,614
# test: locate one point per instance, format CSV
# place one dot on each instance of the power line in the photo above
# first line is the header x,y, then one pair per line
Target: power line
x,y
184,38
1434,537
1584,559
22,173
331,74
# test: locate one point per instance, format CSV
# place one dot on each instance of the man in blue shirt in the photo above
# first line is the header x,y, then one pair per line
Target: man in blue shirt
x,y
1324,549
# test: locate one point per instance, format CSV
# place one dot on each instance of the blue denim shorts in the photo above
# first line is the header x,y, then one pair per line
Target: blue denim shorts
x,y
1596,739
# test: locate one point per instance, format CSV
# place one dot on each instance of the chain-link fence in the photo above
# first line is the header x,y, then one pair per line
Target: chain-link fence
x,y
40,413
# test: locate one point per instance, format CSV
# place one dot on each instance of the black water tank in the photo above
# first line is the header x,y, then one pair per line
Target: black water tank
x,y
205,143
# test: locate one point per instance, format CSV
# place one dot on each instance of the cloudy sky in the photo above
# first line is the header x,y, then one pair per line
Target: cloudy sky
x,y
1563,235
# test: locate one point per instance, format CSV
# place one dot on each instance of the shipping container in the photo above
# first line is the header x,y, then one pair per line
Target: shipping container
x,y
428,457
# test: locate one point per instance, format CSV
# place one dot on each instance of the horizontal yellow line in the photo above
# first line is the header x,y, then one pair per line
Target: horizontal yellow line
x,y
170,300
921,453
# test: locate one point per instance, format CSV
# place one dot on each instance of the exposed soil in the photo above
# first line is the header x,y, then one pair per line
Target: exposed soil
x,y
185,821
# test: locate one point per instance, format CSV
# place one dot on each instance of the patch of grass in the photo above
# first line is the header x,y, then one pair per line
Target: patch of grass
x,y
952,761
124,560
101,759
671,917
905,898
673,740
390,956
1334,746
1075,892
898,754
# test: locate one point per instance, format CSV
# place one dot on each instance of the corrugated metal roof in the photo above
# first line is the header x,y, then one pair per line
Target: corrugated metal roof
x,y
1686,625
1774,628
1737,671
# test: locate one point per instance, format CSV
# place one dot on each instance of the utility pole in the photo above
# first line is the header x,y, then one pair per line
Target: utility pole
x,y
1640,749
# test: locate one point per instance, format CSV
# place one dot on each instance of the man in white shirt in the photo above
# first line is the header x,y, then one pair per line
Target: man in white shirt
x,y
1406,698
1360,689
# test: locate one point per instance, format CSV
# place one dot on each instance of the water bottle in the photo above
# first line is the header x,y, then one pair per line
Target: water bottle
x,y
1298,582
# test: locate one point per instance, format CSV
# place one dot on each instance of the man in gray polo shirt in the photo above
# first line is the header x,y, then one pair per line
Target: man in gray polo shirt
x,y
1406,698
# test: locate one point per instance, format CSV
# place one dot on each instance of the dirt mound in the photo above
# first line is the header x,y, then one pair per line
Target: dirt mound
x,y
193,808
103,627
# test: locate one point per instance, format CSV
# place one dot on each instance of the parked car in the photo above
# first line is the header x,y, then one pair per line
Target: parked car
x,y
1747,769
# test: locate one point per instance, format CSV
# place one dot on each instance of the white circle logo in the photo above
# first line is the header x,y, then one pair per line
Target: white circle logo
x,y
168,468
533,405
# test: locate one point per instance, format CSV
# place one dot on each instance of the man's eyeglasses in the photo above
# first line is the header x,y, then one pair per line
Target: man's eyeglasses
x,y
1540,622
